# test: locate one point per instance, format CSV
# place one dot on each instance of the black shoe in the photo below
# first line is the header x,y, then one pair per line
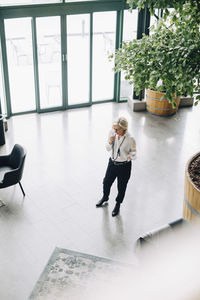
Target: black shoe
x,y
116,209
101,202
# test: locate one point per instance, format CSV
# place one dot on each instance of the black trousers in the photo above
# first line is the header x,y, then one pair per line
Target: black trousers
x,y
122,173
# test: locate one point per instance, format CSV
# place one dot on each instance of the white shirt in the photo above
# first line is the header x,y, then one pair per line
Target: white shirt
x,y
126,144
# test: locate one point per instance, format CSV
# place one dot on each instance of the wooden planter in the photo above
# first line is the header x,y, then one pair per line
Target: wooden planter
x,y
158,106
191,204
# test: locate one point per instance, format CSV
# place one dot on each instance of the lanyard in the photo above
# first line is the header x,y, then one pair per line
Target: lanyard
x,y
118,151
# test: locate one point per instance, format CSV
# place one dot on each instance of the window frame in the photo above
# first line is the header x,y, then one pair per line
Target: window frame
x,y
63,9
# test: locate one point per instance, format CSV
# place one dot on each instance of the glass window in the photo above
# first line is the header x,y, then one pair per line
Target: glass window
x,y
130,25
158,15
78,58
26,2
49,61
104,31
20,64
154,19
129,33
2,98
79,0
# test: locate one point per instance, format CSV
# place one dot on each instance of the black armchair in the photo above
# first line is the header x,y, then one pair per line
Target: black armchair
x,y
11,167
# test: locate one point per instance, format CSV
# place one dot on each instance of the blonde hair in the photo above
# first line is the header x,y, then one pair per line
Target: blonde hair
x,y
122,122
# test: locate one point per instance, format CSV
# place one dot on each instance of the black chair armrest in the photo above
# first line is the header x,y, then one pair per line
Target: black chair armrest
x,y
10,178
4,160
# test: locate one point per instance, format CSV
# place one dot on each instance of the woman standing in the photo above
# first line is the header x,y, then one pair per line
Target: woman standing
x,y
123,148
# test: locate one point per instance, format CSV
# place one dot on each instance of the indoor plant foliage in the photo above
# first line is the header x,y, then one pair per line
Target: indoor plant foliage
x,y
153,4
169,59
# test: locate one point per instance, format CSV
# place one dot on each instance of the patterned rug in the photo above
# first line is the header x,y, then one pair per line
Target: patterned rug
x,y
74,276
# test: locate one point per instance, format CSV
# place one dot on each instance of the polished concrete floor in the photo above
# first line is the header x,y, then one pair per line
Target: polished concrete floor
x,y
65,165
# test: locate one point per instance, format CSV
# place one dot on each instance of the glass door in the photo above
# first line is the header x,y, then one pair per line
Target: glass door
x,y
49,61
104,32
47,74
3,109
78,59
129,33
19,47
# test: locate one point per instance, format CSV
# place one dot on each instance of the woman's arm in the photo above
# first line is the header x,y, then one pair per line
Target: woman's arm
x,y
132,152
110,141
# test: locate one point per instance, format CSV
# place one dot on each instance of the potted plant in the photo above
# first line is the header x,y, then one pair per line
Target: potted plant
x,y
191,204
168,60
